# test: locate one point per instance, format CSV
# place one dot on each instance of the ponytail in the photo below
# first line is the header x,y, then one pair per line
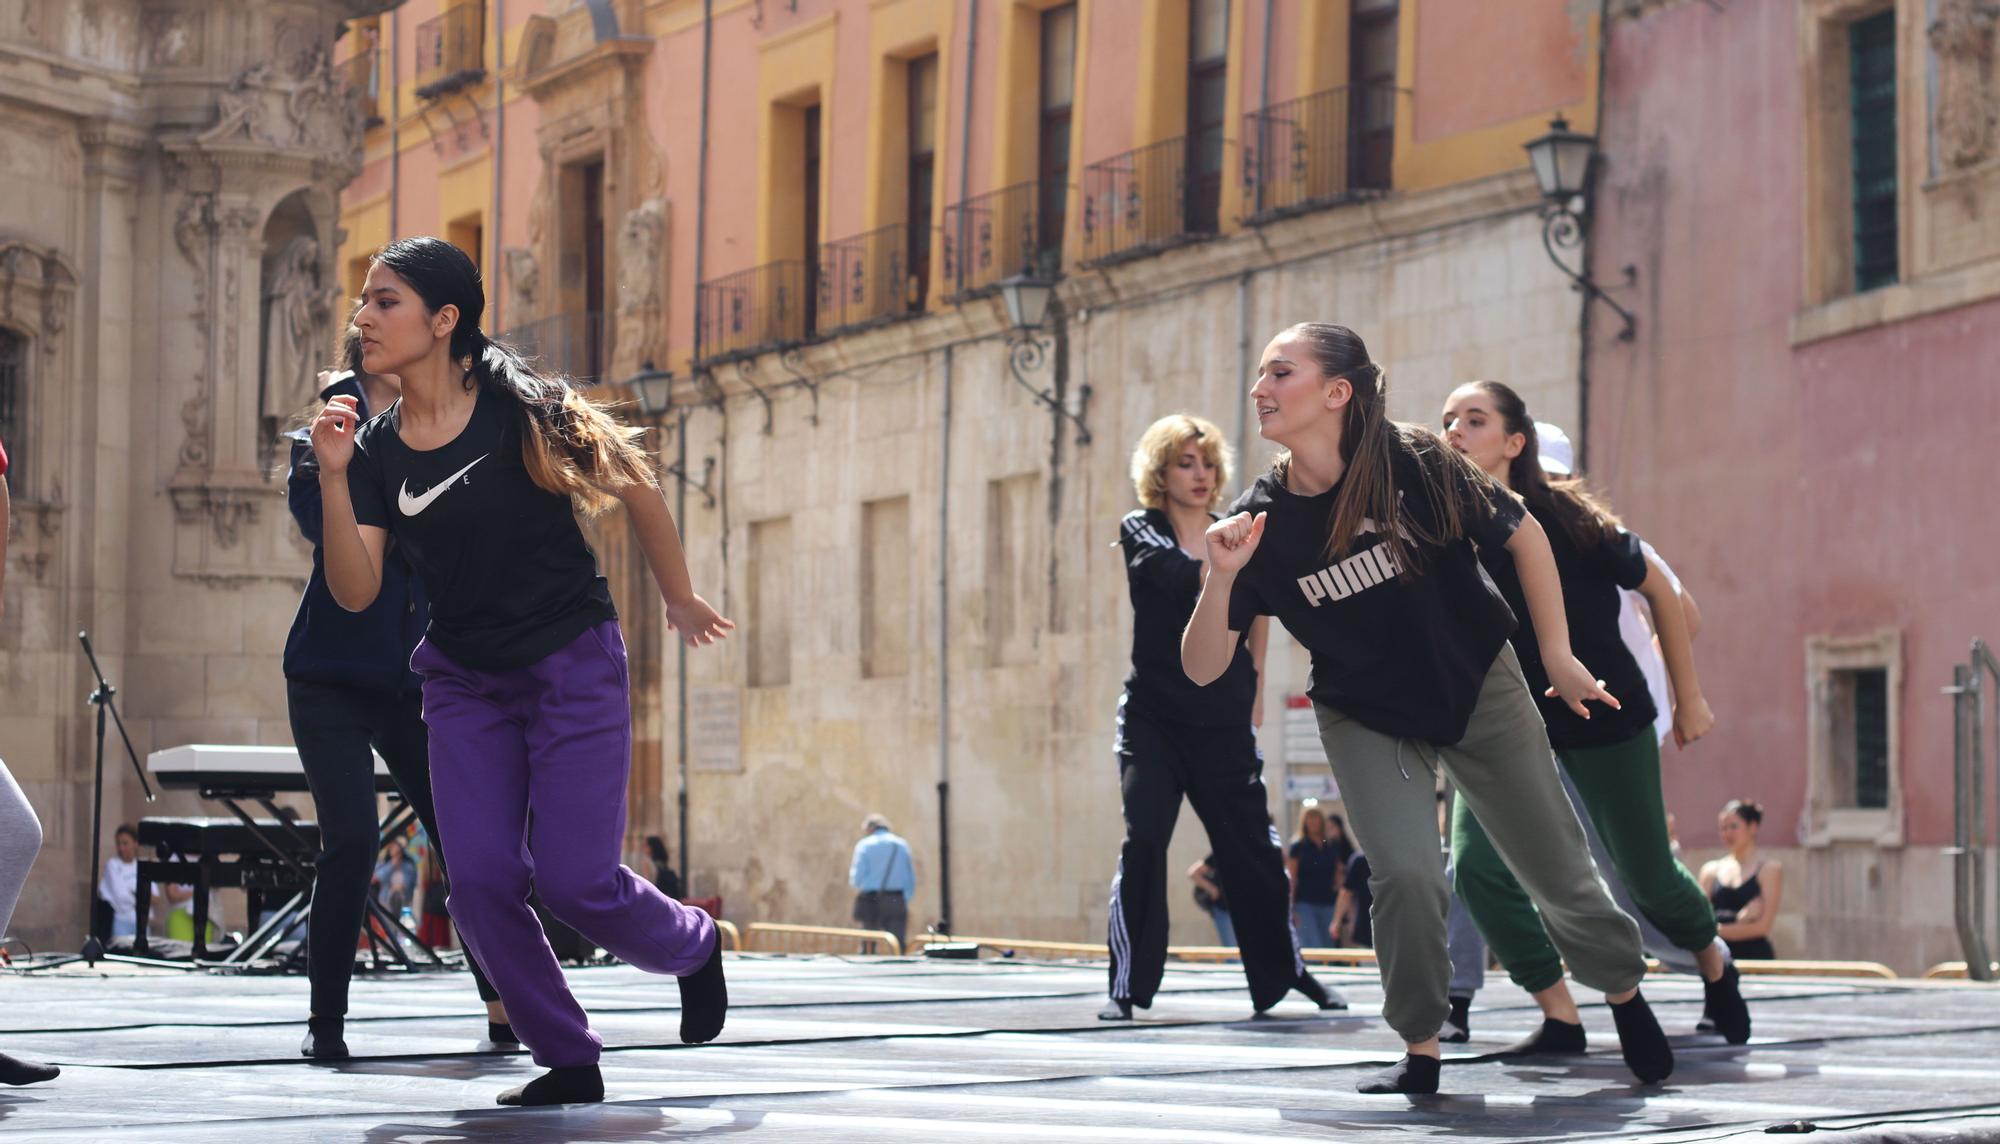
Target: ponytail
x,y
570,445
1584,516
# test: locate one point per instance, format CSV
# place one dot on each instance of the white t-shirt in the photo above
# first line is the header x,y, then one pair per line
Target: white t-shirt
x,y
120,887
1635,624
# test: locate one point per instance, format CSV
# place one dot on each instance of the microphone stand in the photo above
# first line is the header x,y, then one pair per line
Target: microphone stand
x,y
101,698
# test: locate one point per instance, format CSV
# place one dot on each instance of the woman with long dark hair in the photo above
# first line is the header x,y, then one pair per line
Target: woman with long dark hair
x,y
1611,754
1744,886
1361,540
477,473
351,695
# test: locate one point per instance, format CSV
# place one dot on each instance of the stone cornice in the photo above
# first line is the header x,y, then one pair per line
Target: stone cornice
x,y
628,52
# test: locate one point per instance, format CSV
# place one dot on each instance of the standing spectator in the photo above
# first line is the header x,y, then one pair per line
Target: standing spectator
x,y
1743,886
1353,921
884,878
664,875
1317,858
395,878
1209,896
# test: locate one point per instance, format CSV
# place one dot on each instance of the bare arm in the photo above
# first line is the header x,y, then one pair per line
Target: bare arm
x,y
6,511
1692,718
352,552
1535,565
1763,909
1208,644
1198,874
1692,613
653,523
1343,908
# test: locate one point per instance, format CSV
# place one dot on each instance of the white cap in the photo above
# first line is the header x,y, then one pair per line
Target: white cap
x,y
1558,455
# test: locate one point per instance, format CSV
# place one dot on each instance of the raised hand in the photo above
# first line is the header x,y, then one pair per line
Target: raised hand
x,y
333,434
697,622
1232,540
1572,682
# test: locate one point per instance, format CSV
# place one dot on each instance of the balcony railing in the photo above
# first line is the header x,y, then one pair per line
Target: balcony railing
x,y
1316,151
451,51
863,281
995,236
361,75
1153,198
576,344
754,310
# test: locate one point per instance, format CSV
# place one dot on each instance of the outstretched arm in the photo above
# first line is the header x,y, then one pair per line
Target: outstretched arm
x,y
653,523
1692,718
1535,564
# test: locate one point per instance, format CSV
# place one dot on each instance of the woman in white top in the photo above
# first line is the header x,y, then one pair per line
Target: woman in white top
x,y
119,884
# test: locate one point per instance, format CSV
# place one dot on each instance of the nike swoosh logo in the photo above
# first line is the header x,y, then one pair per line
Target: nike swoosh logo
x,y
411,506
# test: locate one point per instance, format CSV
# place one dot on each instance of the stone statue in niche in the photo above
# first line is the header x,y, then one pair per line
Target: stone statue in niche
x,y
523,280
296,316
1967,105
641,244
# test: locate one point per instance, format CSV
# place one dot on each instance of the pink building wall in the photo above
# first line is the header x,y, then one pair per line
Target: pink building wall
x,y
1827,489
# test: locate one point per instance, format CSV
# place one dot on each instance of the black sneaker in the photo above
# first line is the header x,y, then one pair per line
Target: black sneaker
x,y
1724,1008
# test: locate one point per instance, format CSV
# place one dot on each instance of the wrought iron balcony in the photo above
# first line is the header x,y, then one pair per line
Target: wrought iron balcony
x,y
751,311
576,344
863,281
1153,198
994,236
451,51
360,74
1317,151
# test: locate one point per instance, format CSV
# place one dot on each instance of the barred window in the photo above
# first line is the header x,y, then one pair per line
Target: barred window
x,y
13,401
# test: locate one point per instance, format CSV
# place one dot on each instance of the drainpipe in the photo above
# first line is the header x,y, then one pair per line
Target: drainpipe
x,y
499,157
680,497
395,116
1263,105
1244,367
965,138
944,651
1589,224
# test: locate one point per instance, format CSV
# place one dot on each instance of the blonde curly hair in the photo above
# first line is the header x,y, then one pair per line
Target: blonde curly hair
x,y
1161,445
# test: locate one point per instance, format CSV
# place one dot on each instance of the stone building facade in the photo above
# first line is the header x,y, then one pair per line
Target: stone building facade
x,y
171,175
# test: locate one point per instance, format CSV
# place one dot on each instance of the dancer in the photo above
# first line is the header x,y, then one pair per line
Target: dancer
x,y
1176,739
1360,540
20,830
1610,754
1744,886
349,690
477,473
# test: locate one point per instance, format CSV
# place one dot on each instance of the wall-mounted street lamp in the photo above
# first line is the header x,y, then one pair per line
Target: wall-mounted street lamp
x,y
1027,298
1562,161
653,390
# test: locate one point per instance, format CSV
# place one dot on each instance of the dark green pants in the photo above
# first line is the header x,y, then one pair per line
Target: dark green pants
x,y
1620,785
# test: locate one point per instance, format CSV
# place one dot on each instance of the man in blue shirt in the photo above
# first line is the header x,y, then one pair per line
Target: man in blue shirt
x,y
884,877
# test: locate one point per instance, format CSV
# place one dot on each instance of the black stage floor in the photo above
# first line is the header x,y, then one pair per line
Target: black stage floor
x,y
845,1049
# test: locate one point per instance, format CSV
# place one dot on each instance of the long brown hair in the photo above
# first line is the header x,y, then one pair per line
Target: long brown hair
x,y
1368,442
569,444
1584,515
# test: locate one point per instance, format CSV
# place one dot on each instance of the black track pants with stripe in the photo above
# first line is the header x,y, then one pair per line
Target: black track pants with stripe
x,y
1221,773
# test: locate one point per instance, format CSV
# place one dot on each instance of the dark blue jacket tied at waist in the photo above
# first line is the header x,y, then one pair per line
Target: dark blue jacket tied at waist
x,y
328,643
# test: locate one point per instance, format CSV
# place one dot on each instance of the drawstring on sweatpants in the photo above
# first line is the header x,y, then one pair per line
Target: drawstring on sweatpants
x,y
1435,760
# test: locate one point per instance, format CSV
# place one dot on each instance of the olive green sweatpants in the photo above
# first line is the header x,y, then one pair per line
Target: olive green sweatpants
x,y
1620,786
1503,770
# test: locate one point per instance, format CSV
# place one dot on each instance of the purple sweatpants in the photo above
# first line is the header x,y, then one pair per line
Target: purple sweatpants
x,y
554,737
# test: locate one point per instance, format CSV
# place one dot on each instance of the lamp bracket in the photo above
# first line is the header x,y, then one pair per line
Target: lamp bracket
x,y
1025,353
793,361
1562,229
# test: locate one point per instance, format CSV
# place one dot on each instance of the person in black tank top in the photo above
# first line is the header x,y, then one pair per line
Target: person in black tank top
x,y
1177,738
1745,887
1611,754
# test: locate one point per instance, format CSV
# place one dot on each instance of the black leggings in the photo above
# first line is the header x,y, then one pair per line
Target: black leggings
x,y
334,727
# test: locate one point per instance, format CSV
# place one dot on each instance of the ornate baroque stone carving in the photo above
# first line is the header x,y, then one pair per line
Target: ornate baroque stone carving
x,y
296,317
35,289
641,249
1967,105
172,37
523,280
309,112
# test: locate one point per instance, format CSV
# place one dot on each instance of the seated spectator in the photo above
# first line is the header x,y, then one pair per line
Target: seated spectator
x,y
1208,895
1744,887
395,878
119,885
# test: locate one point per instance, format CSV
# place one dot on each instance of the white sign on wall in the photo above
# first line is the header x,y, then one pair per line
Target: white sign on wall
x,y
715,729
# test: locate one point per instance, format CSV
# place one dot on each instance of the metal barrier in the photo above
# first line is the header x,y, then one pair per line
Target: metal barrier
x,y
1299,156
752,311
997,235
729,931
864,280
1152,198
1815,969
1971,681
776,937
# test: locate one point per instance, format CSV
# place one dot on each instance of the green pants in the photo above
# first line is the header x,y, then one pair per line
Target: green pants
x,y
1502,768
1620,785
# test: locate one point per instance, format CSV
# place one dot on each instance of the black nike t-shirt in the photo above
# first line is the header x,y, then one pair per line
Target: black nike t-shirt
x,y
509,575
1165,582
1405,656
1592,581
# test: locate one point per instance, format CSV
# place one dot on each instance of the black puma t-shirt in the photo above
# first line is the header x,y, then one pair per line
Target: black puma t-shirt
x,y
1405,656
509,575
1165,582
1592,583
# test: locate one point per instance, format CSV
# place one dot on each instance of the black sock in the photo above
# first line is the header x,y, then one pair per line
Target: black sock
x,y
1319,994
1411,1074
325,1039
16,1071
1116,1009
1723,1005
704,1000
570,1084
501,1033
1458,1027
1553,1038
1647,1052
